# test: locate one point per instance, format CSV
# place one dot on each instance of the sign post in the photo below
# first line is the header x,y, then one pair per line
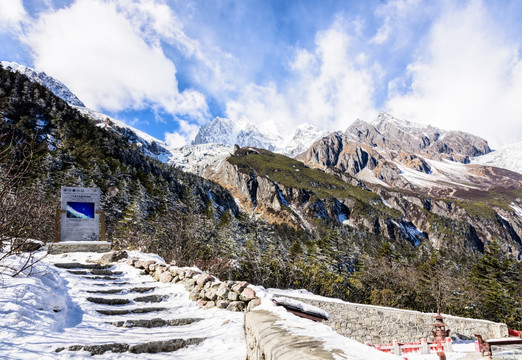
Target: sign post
x,y
80,214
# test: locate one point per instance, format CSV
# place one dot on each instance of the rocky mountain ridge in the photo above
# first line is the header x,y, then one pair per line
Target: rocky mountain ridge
x,y
282,190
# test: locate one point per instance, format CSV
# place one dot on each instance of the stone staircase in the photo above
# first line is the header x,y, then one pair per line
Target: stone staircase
x,y
118,298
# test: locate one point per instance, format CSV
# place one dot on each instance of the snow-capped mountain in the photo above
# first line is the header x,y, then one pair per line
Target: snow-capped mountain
x,y
391,134
305,135
242,132
507,157
56,87
246,133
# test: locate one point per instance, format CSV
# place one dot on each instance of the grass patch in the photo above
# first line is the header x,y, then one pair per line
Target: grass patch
x,y
292,173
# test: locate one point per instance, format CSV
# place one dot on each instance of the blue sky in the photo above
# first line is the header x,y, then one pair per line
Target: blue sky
x,y
170,66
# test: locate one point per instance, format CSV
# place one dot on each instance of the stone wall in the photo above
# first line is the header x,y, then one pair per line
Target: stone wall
x,y
205,289
379,325
267,340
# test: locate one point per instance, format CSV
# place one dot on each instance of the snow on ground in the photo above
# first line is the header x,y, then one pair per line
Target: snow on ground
x,y
48,309
444,173
353,350
507,157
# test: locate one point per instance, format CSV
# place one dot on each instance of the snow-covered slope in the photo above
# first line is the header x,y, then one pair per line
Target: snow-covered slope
x,y
305,135
197,158
507,157
56,87
149,145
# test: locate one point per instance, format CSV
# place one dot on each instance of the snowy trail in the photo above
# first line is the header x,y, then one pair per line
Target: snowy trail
x,y
73,320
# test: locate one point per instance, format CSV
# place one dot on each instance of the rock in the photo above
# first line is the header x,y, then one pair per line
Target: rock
x,y
176,279
210,294
209,305
222,293
189,273
202,302
132,261
247,294
190,284
236,306
203,279
144,264
194,294
239,286
152,267
222,304
165,277
113,256
253,303
233,296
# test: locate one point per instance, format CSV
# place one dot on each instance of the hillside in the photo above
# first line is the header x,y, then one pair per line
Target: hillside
x,y
333,236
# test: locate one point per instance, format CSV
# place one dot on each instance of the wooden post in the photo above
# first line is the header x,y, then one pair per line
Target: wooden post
x,y
57,224
102,225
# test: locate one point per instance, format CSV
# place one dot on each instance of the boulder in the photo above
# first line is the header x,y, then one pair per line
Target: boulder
x,y
202,302
253,303
222,304
203,279
239,286
232,296
189,273
194,294
222,292
209,305
113,256
210,294
247,294
190,284
236,306
165,277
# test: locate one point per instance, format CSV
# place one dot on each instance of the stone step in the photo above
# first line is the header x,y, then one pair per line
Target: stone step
x,y
130,311
109,291
117,291
75,265
150,298
144,348
105,272
95,272
100,278
157,322
142,289
120,283
108,301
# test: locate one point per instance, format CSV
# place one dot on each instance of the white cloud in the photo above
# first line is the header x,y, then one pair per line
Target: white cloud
x,y
12,14
107,60
467,78
337,86
397,16
330,87
185,134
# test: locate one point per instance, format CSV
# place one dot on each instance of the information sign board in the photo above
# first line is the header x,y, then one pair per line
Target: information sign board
x,y
79,220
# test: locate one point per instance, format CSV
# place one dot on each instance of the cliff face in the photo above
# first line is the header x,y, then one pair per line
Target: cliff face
x,y
280,189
